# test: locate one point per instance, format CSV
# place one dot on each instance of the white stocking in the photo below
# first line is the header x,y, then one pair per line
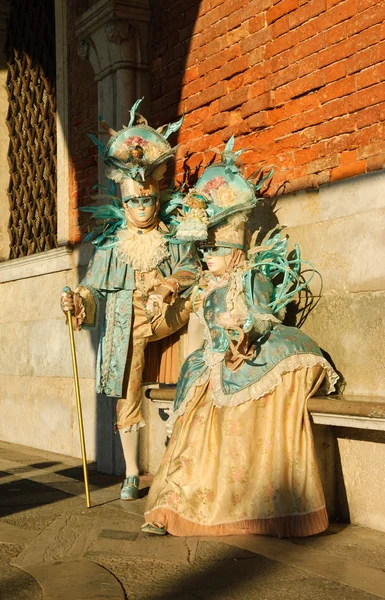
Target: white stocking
x,y
130,445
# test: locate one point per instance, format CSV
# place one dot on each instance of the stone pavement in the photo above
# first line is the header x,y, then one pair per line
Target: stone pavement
x,y
53,548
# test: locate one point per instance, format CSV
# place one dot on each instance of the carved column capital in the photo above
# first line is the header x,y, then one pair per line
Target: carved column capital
x,y
116,32
83,49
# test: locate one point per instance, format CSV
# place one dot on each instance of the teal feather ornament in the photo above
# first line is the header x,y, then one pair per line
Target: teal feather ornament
x,y
101,147
133,111
112,219
172,128
230,158
271,257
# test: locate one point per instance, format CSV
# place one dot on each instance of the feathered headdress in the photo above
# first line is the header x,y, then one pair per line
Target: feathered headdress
x,y
216,209
136,151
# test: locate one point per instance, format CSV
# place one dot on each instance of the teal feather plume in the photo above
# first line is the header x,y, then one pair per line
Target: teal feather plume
x,y
272,259
172,127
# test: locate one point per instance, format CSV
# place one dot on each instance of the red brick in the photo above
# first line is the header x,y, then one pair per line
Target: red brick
x,y
236,35
335,71
257,104
284,112
375,163
335,127
257,23
371,76
212,32
350,170
348,157
341,12
338,89
257,72
303,157
299,87
234,20
363,137
279,10
349,47
256,40
367,97
256,89
358,22
190,75
195,117
216,61
233,99
365,58
307,119
289,40
311,46
258,121
306,12
322,164
256,56
238,65
368,116
371,150
254,7
220,121
235,83
283,76
301,183
280,27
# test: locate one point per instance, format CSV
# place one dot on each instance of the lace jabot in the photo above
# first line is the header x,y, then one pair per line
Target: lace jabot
x,y
142,252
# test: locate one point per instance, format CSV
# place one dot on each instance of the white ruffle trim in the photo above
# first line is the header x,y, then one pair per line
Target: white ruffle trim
x,y
142,252
134,427
260,388
271,380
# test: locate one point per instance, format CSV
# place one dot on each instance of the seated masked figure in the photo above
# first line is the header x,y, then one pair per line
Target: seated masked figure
x,y
144,275
241,457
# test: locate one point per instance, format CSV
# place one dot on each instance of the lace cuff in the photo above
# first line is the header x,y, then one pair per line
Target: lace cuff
x,y
79,312
88,302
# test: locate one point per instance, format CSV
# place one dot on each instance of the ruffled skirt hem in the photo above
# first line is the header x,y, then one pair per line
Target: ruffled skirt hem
x,y
281,527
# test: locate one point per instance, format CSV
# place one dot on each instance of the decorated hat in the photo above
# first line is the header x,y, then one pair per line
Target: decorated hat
x,y
136,151
215,210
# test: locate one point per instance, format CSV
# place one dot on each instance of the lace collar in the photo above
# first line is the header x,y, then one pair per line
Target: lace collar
x,y
142,251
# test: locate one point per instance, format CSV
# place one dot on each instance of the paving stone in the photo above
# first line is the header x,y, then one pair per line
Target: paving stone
x,y
350,543
67,538
15,535
80,580
165,548
354,574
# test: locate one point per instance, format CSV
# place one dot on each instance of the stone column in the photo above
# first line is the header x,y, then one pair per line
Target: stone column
x,y
113,36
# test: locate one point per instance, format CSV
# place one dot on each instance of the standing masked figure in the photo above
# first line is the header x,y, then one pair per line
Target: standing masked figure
x,y
144,274
241,456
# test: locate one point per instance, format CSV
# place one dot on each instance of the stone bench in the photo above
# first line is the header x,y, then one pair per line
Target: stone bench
x,y
362,412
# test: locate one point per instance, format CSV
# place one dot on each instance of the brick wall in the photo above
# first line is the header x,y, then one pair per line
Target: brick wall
x,y
300,83
83,119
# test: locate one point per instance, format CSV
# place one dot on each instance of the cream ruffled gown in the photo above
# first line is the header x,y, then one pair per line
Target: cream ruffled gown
x,y
243,462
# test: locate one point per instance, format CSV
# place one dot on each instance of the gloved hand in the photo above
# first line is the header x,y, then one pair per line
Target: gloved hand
x,y
72,301
154,305
67,300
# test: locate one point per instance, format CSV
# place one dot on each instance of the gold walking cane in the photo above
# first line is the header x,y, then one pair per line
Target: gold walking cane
x,y
78,403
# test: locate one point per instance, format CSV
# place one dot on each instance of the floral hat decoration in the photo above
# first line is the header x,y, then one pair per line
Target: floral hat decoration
x,y
137,150
215,210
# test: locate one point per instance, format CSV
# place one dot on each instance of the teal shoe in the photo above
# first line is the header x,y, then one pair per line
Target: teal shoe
x,y
129,489
153,528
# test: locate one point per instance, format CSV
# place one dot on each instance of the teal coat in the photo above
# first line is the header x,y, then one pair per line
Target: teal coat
x,y
109,277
